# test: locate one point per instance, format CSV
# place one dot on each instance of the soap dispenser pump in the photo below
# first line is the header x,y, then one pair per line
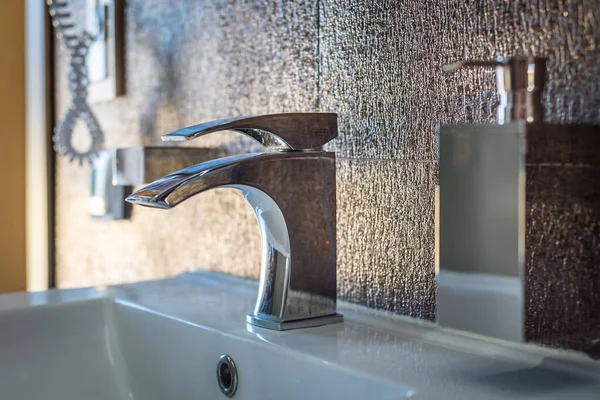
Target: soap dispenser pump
x,y
520,83
519,218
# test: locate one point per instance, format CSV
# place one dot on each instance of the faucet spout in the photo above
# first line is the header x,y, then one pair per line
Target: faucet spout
x,y
293,195
169,191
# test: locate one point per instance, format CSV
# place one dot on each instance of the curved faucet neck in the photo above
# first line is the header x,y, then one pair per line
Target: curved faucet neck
x,y
293,195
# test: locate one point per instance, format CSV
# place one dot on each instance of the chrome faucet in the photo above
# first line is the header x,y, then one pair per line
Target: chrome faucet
x,y
292,191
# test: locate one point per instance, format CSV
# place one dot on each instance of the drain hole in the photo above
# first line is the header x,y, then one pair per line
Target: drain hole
x,y
227,375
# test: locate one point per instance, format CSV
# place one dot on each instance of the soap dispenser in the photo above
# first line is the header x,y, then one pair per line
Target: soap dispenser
x,y
519,219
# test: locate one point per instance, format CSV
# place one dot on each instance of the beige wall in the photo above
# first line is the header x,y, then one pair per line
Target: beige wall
x,y
12,148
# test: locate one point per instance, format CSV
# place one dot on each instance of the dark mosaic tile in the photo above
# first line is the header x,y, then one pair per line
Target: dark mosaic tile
x,y
563,256
563,236
563,144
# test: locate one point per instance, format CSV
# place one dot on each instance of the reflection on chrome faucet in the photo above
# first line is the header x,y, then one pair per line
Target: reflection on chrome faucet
x,y
292,191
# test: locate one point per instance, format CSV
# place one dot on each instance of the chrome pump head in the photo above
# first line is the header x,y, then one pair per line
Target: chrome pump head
x,y
520,83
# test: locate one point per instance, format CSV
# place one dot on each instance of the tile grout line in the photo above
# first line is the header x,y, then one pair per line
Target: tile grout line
x,y
398,160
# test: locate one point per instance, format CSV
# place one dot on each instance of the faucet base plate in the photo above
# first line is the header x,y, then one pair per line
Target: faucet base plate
x,y
296,324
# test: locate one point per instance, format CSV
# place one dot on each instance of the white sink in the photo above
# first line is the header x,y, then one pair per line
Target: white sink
x,y
162,340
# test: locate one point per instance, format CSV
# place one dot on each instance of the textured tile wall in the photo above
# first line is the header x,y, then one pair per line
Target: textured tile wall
x,y
386,234
187,61
376,63
563,236
380,70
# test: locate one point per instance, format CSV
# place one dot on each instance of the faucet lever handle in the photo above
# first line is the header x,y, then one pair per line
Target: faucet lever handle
x,y
284,132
